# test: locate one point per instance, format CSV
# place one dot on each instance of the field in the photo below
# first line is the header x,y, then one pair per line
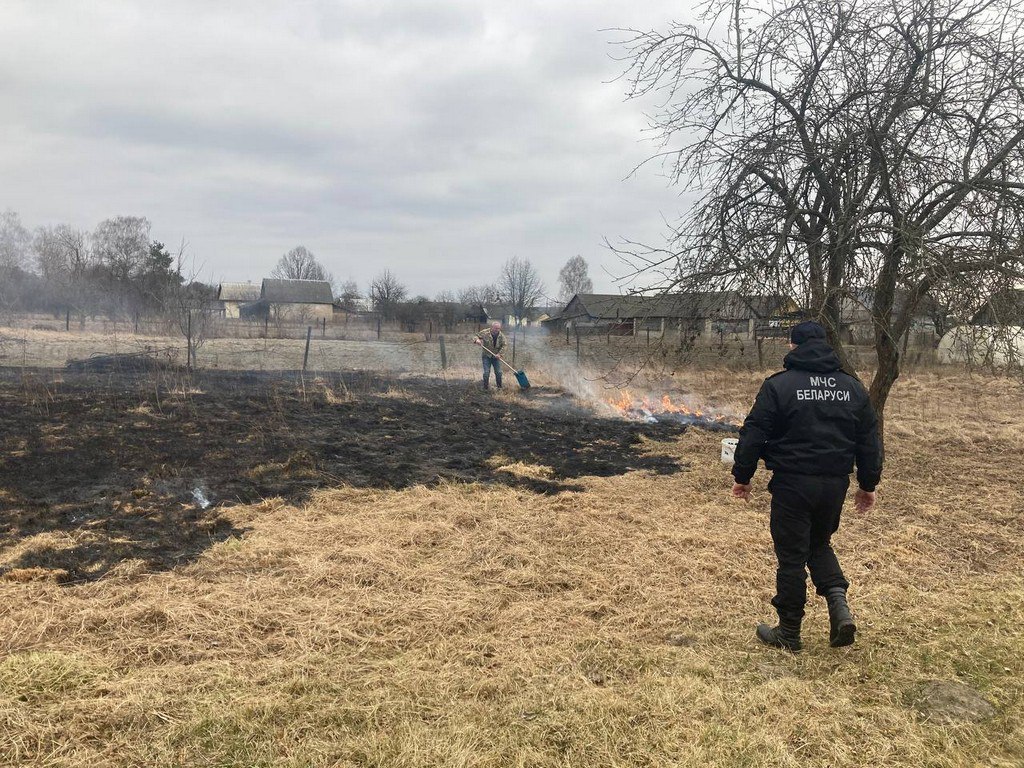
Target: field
x,y
401,570
22,347
409,352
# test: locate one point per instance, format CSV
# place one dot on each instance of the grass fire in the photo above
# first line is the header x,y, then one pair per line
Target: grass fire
x,y
655,409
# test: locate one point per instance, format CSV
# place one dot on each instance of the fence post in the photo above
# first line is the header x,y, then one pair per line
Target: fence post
x,y
305,355
567,334
378,327
67,321
514,331
188,340
323,333
444,354
577,344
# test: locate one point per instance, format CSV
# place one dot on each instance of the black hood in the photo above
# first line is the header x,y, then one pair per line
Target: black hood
x,y
814,355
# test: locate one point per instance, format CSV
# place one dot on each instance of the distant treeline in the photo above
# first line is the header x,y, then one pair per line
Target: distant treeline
x,y
117,270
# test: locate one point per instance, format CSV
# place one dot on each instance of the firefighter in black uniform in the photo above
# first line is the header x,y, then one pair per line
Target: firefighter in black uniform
x,y
810,423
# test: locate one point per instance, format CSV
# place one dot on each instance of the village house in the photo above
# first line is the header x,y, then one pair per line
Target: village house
x,y
232,296
1003,308
721,315
505,314
857,325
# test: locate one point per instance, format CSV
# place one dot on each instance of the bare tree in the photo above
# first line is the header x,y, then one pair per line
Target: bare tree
x,y
300,264
520,286
386,293
840,145
61,251
14,241
121,245
189,304
573,279
478,295
350,295
66,263
447,309
14,246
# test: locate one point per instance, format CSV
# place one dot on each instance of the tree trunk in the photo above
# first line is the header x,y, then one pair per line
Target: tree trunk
x,y
885,376
832,318
886,334
833,328
816,275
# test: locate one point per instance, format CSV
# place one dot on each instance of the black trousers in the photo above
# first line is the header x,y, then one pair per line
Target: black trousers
x,y
805,514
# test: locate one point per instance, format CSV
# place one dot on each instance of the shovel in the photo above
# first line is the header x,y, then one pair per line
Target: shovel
x,y
524,383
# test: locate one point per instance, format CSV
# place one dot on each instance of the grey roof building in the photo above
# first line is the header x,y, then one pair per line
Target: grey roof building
x,y
730,305
707,312
295,300
241,292
1005,307
278,291
234,297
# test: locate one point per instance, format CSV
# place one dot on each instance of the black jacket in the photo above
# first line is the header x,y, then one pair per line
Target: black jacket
x,y
811,419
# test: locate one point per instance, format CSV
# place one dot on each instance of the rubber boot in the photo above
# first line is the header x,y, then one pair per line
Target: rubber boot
x,y
786,635
842,629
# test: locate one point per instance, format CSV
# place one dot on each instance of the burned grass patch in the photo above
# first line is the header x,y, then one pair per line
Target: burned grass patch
x,y
97,471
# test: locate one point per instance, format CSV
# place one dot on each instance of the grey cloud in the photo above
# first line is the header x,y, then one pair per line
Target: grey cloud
x,y
167,128
398,22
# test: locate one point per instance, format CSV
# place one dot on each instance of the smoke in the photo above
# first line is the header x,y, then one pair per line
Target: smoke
x,y
617,381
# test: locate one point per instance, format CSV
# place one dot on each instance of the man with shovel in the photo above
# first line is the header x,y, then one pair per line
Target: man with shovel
x,y
492,342
810,423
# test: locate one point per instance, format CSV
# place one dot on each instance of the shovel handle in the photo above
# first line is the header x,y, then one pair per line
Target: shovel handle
x,y
500,358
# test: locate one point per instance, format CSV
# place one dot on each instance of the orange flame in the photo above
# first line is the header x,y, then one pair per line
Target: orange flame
x,y
623,403
631,407
668,406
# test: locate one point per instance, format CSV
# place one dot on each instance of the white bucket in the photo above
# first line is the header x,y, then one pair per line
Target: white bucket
x,y
729,449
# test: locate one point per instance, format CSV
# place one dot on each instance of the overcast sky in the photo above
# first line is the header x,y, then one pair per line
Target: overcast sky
x,y
434,138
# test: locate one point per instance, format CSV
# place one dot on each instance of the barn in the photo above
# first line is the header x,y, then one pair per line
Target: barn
x,y
298,301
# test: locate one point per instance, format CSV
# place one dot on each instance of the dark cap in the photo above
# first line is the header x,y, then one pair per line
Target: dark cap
x,y
806,331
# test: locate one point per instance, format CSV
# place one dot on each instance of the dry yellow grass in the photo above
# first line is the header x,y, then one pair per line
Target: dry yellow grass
x,y
51,348
470,625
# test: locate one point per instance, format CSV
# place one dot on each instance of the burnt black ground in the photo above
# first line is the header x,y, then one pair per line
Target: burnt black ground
x,y
113,458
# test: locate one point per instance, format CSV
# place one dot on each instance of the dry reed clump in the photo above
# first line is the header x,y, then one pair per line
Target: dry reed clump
x,y
485,625
333,394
